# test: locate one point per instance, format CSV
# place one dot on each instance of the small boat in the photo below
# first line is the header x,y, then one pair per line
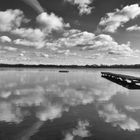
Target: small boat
x,y
63,71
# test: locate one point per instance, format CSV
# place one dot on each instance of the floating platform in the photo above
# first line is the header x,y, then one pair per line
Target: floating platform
x,y
127,81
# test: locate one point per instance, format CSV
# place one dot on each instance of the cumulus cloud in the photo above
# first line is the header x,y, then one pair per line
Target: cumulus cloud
x,y
37,37
50,22
73,38
24,42
102,43
116,118
66,52
83,6
5,39
106,44
132,108
29,33
41,54
117,19
133,28
9,48
80,131
11,19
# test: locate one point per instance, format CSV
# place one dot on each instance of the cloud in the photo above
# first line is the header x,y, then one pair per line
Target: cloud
x,y
41,54
80,131
29,33
50,22
116,118
9,48
66,52
106,44
83,6
23,42
5,39
11,19
11,22
73,38
99,44
133,28
132,108
117,19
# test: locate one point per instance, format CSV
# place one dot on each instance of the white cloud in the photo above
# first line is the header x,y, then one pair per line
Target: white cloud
x,y
74,38
133,28
5,39
102,43
117,19
41,54
11,19
83,6
50,22
132,108
37,36
116,118
9,48
36,44
30,33
107,45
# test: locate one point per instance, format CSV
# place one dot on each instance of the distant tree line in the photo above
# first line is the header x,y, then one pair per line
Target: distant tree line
x,y
68,66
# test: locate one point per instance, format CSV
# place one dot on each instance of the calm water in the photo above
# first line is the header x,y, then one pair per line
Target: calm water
x,y
80,105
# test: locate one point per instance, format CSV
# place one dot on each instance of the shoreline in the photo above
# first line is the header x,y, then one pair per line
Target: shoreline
x,y
136,66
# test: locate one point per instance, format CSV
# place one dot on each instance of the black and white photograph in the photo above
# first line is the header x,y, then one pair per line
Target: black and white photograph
x,y
69,70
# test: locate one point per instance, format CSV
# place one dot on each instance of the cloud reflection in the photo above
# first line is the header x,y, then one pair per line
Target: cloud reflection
x,y
53,94
79,132
117,118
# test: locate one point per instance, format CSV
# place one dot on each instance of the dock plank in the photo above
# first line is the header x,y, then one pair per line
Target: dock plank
x,y
122,76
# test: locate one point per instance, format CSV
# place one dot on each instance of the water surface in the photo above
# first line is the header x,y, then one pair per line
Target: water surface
x,y
43,104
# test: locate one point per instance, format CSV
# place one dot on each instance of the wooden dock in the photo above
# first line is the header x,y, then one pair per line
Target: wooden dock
x,y
130,82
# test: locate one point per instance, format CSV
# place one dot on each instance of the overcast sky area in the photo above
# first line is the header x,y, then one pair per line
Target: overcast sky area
x,y
70,32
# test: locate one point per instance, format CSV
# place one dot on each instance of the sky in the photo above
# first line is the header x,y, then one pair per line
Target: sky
x,y
67,32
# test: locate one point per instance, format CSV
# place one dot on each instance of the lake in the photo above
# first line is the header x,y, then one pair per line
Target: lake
x,y
44,104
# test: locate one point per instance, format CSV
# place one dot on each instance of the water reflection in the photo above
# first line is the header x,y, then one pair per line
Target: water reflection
x,y
79,132
71,105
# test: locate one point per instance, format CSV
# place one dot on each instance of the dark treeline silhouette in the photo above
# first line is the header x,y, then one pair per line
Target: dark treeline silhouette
x,y
67,66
